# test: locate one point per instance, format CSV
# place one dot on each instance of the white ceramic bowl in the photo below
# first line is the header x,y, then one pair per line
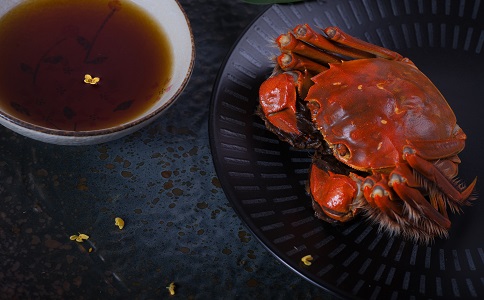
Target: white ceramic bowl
x,y
170,16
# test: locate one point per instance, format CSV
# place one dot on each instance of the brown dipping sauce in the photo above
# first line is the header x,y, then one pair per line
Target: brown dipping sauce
x,y
53,50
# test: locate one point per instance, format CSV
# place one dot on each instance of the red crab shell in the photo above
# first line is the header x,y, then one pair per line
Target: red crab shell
x,y
386,140
377,113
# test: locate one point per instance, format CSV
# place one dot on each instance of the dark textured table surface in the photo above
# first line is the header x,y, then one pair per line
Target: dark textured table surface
x,y
161,180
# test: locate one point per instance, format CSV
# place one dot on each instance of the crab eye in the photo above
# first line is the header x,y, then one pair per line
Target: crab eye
x,y
342,150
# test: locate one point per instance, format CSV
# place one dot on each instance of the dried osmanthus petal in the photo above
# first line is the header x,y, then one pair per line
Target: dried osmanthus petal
x,y
171,288
307,260
91,80
83,236
119,222
79,238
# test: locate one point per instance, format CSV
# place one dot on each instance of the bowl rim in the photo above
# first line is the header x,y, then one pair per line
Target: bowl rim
x,y
119,128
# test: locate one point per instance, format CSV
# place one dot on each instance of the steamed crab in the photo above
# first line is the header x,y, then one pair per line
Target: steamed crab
x,y
385,139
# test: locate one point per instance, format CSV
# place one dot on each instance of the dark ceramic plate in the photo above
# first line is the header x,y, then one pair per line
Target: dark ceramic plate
x,y
265,179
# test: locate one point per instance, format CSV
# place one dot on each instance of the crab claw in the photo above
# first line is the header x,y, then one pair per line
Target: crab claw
x,y
278,102
335,194
283,111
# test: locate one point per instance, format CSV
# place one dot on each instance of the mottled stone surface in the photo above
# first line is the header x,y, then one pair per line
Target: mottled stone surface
x,y
179,226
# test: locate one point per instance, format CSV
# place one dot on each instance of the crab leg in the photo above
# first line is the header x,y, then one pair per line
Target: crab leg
x,y
402,182
289,43
308,35
337,35
415,199
380,196
439,149
403,173
449,166
292,61
429,171
437,198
